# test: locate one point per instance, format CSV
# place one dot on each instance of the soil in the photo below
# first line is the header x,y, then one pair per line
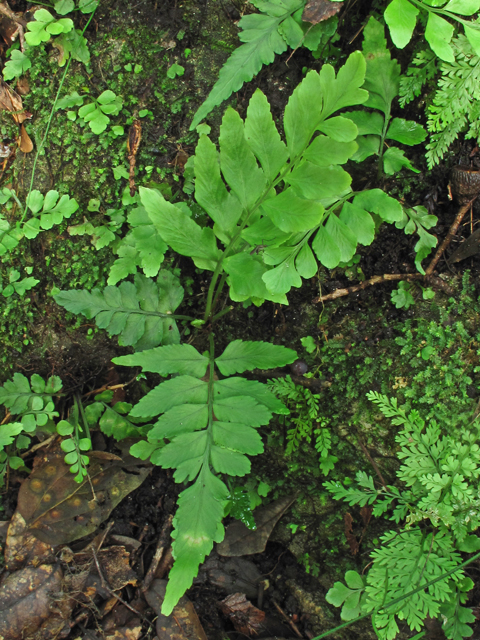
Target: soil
x,y
125,32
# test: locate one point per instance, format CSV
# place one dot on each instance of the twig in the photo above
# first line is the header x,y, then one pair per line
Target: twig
x,y
5,9
107,588
389,277
109,387
37,446
451,232
287,619
372,462
161,544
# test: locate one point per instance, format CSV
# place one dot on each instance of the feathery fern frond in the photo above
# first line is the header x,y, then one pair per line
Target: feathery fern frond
x,y
140,314
211,427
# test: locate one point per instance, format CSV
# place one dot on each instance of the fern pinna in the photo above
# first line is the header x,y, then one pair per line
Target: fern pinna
x,y
210,424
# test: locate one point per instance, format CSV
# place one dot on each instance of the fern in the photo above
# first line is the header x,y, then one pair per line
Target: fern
x,y
264,34
456,105
141,314
46,211
439,474
210,424
422,69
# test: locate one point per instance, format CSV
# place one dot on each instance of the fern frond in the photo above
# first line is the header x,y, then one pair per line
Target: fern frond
x,y
262,41
140,314
211,427
455,107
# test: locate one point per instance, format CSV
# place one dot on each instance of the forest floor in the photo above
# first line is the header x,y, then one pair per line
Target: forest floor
x,y
108,592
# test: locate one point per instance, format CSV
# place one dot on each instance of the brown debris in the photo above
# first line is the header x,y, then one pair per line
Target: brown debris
x,y
12,102
243,615
182,624
319,10
24,141
58,510
351,539
133,144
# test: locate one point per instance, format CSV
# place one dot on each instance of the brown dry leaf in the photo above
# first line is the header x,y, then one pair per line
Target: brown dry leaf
x,y
24,142
244,616
133,144
22,548
23,86
182,623
319,10
115,566
57,510
230,575
240,541
351,539
366,514
122,623
25,600
11,101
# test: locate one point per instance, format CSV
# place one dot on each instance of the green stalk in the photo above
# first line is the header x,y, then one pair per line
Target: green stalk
x,y
49,122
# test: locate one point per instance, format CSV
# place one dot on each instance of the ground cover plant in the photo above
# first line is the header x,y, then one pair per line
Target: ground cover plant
x,y
268,205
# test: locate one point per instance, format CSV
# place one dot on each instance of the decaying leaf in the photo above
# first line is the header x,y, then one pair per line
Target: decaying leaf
x,y
244,616
24,142
22,548
115,566
122,623
133,144
26,602
11,101
351,539
230,575
240,541
57,510
319,10
182,624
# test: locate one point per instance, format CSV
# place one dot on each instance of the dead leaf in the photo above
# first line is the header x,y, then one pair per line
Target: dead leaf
x,y
468,248
122,623
24,142
57,510
366,514
23,86
230,575
22,548
240,541
351,539
115,566
182,623
25,601
11,101
133,144
319,10
244,616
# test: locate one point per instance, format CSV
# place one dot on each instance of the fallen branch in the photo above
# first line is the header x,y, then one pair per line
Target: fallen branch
x,y
408,277
5,9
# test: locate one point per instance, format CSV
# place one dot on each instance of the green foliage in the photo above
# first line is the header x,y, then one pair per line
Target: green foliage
x,y
305,421
32,405
401,17
278,25
210,424
95,113
45,26
18,64
454,107
16,285
274,204
418,219
438,471
46,211
141,314
382,83
175,70
101,235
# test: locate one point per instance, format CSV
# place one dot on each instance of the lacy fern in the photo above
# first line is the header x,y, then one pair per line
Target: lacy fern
x,y
210,424
439,506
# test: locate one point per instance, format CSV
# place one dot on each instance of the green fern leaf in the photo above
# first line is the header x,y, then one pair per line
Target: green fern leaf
x,y
140,313
211,427
262,41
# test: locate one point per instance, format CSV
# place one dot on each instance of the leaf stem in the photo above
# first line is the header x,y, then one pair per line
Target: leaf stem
x,y
49,122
